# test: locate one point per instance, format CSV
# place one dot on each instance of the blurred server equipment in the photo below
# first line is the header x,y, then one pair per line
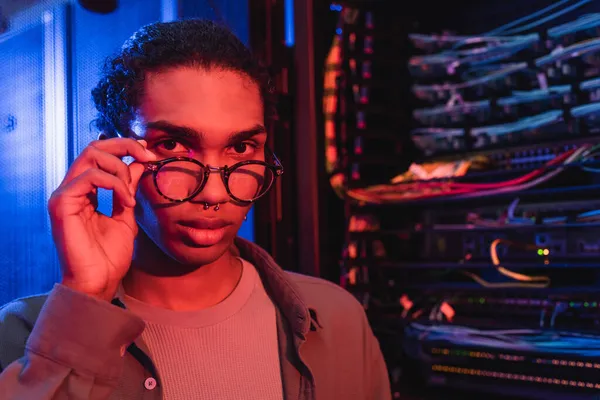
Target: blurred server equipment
x,y
472,242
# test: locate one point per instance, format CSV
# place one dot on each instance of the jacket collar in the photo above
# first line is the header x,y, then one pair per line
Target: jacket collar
x,y
284,292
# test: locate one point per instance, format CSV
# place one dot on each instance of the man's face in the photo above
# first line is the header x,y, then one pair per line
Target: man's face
x,y
216,117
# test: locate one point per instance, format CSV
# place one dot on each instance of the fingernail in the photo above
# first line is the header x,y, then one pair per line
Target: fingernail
x,y
148,152
151,154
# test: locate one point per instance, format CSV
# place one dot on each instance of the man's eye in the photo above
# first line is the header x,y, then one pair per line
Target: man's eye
x,y
171,145
244,148
240,148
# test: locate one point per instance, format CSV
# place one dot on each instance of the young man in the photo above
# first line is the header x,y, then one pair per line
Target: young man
x,y
161,300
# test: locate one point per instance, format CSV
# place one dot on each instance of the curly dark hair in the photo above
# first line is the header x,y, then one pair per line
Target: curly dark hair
x,y
192,42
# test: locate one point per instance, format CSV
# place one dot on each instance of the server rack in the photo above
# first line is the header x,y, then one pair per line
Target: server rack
x,y
471,194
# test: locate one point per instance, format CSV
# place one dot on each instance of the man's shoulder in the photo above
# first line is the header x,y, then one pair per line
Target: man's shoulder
x,y
23,309
331,302
16,323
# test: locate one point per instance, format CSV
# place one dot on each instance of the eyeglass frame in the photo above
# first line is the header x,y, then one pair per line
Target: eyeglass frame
x,y
276,168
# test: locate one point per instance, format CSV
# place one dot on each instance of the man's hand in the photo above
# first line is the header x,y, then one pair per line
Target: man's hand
x,y
95,250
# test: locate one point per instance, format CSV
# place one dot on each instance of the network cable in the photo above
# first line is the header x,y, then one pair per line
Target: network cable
x,y
432,139
495,134
523,281
510,214
559,160
498,48
448,62
502,285
593,215
426,41
453,113
445,91
535,281
576,50
537,97
509,217
544,178
543,20
589,114
482,70
584,22
450,113
508,339
427,190
434,42
503,28
592,87
430,42
501,48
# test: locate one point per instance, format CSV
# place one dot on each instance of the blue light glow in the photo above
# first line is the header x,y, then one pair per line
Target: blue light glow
x,y
168,10
55,101
289,23
247,229
33,138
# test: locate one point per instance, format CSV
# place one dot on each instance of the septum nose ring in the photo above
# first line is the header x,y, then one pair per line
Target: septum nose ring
x,y
206,206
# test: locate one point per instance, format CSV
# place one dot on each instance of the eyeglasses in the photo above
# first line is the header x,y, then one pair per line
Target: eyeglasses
x,y
180,179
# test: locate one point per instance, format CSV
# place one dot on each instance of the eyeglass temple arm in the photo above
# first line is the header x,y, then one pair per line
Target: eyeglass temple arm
x,y
275,158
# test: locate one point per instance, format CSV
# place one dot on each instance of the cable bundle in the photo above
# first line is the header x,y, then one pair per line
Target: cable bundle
x,y
498,86
498,98
508,218
522,103
421,190
453,114
509,339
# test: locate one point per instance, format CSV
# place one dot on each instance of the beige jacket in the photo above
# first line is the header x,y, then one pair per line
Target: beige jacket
x,y
66,345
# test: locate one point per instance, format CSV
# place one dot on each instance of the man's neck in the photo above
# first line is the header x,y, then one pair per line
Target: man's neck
x,y
198,289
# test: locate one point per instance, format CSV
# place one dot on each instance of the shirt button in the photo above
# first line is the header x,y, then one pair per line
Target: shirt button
x,y
150,383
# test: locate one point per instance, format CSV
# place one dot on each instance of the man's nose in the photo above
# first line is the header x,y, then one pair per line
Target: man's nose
x,y
214,191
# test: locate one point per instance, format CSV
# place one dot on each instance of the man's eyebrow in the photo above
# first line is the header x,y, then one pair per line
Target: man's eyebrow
x,y
246,134
190,133
175,130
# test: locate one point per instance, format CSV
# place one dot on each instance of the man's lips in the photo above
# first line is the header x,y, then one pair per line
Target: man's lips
x,y
205,223
204,232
